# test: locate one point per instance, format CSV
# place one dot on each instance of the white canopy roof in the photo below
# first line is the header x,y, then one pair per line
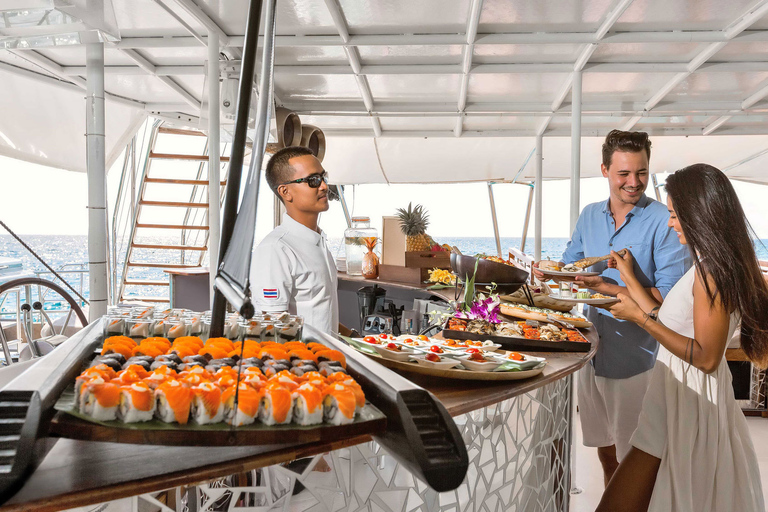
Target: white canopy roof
x,y
422,91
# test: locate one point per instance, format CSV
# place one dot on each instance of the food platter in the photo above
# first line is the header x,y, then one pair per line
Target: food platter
x,y
449,367
560,273
542,314
456,373
521,342
70,423
590,302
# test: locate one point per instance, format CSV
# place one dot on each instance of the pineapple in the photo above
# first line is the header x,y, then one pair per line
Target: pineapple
x,y
414,222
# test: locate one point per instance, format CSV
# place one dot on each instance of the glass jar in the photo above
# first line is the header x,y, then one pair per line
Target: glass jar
x,y
354,245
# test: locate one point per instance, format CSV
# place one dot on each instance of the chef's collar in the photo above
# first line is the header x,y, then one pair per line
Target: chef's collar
x,y
301,231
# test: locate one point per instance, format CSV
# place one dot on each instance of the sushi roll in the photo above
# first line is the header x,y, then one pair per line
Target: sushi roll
x,y
115,326
276,406
120,358
356,389
147,365
206,404
271,371
308,405
169,357
248,407
300,371
252,361
177,330
148,359
173,402
159,363
283,317
195,359
99,399
304,362
139,328
137,403
328,370
195,325
339,404
331,355
159,328
114,364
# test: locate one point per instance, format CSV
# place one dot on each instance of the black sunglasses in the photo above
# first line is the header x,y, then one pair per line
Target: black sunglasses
x,y
313,180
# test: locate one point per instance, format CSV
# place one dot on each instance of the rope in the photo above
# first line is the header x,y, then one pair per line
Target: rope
x,y
14,235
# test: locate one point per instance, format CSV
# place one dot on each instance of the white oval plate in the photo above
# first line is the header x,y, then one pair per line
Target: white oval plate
x,y
445,363
477,366
560,273
593,302
383,351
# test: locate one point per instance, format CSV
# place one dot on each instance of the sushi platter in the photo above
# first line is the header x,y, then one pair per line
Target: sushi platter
x,y
448,358
217,392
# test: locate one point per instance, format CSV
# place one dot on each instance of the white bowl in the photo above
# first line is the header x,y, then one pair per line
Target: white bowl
x,y
489,346
395,355
445,363
480,366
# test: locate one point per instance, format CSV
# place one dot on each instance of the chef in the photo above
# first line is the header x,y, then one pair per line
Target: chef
x,y
292,269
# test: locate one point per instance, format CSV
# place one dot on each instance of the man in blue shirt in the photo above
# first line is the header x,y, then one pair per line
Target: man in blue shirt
x,y
611,389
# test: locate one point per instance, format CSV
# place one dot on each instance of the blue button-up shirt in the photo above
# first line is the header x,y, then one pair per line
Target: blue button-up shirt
x,y
625,349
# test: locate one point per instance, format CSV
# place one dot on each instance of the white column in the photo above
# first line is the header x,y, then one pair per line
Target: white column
x,y
214,152
575,147
97,188
537,187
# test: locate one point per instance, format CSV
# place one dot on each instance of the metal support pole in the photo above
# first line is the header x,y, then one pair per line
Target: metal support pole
x,y
538,188
527,218
279,210
656,187
97,197
214,157
344,207
493,216
575,147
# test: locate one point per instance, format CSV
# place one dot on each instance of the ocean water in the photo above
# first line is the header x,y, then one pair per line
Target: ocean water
x,y
58,250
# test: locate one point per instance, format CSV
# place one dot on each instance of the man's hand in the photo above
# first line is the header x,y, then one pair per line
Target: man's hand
x,y
591,282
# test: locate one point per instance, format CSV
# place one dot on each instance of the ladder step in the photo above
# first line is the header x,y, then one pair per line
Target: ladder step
x,y
173,204
146,283
171,226
174,156
173,181
146,299
179,131
170,247
159,265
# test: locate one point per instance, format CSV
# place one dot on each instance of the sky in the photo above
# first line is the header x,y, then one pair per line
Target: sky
x,y
41,200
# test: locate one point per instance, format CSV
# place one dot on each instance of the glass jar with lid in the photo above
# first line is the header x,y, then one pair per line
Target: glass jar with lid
x,y
354,244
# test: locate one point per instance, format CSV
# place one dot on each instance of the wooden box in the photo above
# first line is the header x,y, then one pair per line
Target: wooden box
x,y
408,275
428,259
392,242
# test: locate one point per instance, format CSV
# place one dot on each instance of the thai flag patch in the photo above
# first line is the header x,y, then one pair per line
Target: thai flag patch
x,y
270,293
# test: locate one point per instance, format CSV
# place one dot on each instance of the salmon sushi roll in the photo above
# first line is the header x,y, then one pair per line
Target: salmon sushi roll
x,y
248,405
100,399
225,342
339,405
276,406
206,404
308,405
331,355
137,403
174,401
316,347
193,340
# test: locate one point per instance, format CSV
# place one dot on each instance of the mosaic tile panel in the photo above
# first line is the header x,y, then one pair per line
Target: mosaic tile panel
x,y
519,452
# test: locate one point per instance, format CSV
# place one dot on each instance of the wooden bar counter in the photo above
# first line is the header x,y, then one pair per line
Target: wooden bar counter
x,y
80,473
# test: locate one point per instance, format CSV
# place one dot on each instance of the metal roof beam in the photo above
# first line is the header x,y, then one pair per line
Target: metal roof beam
x,y
150,68
197,38
731,31
354,61
473,19
201,17
631,37
751,100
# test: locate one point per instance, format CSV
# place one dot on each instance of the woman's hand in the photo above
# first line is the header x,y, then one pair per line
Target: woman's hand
x,y
626,309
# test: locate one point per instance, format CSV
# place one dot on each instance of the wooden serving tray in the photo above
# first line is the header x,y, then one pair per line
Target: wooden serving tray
x,y
458,374
71,424
515,343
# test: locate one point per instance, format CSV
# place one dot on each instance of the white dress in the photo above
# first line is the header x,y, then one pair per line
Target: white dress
x,y
690,420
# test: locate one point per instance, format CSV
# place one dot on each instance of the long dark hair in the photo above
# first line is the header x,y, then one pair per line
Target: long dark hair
x,y
716,228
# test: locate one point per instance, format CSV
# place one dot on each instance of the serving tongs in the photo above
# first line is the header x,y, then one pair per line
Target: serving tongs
x,y
588,262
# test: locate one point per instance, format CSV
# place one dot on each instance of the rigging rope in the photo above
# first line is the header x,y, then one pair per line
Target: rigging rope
x,y
14,235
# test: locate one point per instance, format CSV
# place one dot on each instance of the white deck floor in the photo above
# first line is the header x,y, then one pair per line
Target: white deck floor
x,y
588,475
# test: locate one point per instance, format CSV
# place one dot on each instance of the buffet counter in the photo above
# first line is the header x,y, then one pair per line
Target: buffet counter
x,y
517,433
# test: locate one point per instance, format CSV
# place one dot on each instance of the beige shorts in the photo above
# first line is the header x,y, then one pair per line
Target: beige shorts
x,y
609,409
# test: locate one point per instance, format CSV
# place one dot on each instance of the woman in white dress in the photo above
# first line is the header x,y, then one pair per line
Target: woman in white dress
x,y
691,451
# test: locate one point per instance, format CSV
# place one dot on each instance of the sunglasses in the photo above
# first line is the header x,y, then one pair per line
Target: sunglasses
x,y
313,180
